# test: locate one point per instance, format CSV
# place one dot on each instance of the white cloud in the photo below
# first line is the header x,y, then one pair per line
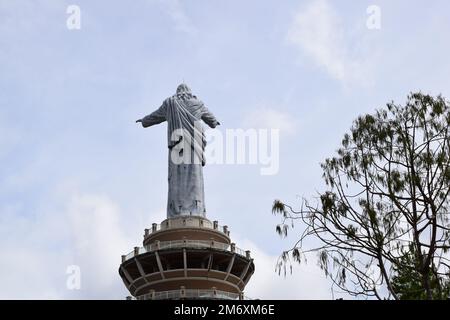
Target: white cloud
x,y
29,264
318,32
307,281
270,118
37,249
182,22
98,242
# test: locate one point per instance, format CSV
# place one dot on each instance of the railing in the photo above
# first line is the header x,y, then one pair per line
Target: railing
x,y
197,244
190,294
186,223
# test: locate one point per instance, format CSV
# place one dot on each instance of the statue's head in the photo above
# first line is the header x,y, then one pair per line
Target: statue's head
x,y
184,92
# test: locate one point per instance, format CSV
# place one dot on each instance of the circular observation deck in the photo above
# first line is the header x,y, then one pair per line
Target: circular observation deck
x,y
187,227
190,254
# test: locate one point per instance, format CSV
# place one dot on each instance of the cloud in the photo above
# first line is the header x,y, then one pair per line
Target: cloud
x,y
318,32
179,17
29,261
98,240
38,248
270,118
307,281
90,233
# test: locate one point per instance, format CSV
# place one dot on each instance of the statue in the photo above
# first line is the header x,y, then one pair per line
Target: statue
x,y
186,143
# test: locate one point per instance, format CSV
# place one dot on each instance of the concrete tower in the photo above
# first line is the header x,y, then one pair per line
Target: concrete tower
x,y
187,256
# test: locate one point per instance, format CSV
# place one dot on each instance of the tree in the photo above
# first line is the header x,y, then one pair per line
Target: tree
x,y
407,282
387,196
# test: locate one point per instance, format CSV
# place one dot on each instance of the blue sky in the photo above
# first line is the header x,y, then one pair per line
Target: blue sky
x,y
80,180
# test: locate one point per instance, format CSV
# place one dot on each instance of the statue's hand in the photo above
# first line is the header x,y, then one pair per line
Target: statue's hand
x,y
140,120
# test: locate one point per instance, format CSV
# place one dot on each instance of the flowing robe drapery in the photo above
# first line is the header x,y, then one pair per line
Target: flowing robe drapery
x,y
185,138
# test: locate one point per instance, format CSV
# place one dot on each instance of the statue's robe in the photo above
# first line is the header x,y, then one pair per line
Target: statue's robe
x,y
186,194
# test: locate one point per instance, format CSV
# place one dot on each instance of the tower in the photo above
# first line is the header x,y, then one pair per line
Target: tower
x,y
186,256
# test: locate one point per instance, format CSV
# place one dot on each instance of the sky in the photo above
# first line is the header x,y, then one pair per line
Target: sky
x,y
80,180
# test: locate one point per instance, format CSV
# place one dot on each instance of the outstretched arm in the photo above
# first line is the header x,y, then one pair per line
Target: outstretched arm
x,y
155,117
209,118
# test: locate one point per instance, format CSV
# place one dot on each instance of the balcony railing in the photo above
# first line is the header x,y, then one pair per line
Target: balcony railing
x,y
196,244
186,223
190,294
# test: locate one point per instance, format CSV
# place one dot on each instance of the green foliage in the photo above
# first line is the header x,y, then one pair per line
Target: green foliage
x,y
388,190
407,281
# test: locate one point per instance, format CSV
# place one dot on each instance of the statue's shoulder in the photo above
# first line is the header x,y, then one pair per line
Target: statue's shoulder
x,y
195,101
169,100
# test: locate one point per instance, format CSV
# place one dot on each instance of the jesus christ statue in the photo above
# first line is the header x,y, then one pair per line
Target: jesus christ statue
x,y
186,143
